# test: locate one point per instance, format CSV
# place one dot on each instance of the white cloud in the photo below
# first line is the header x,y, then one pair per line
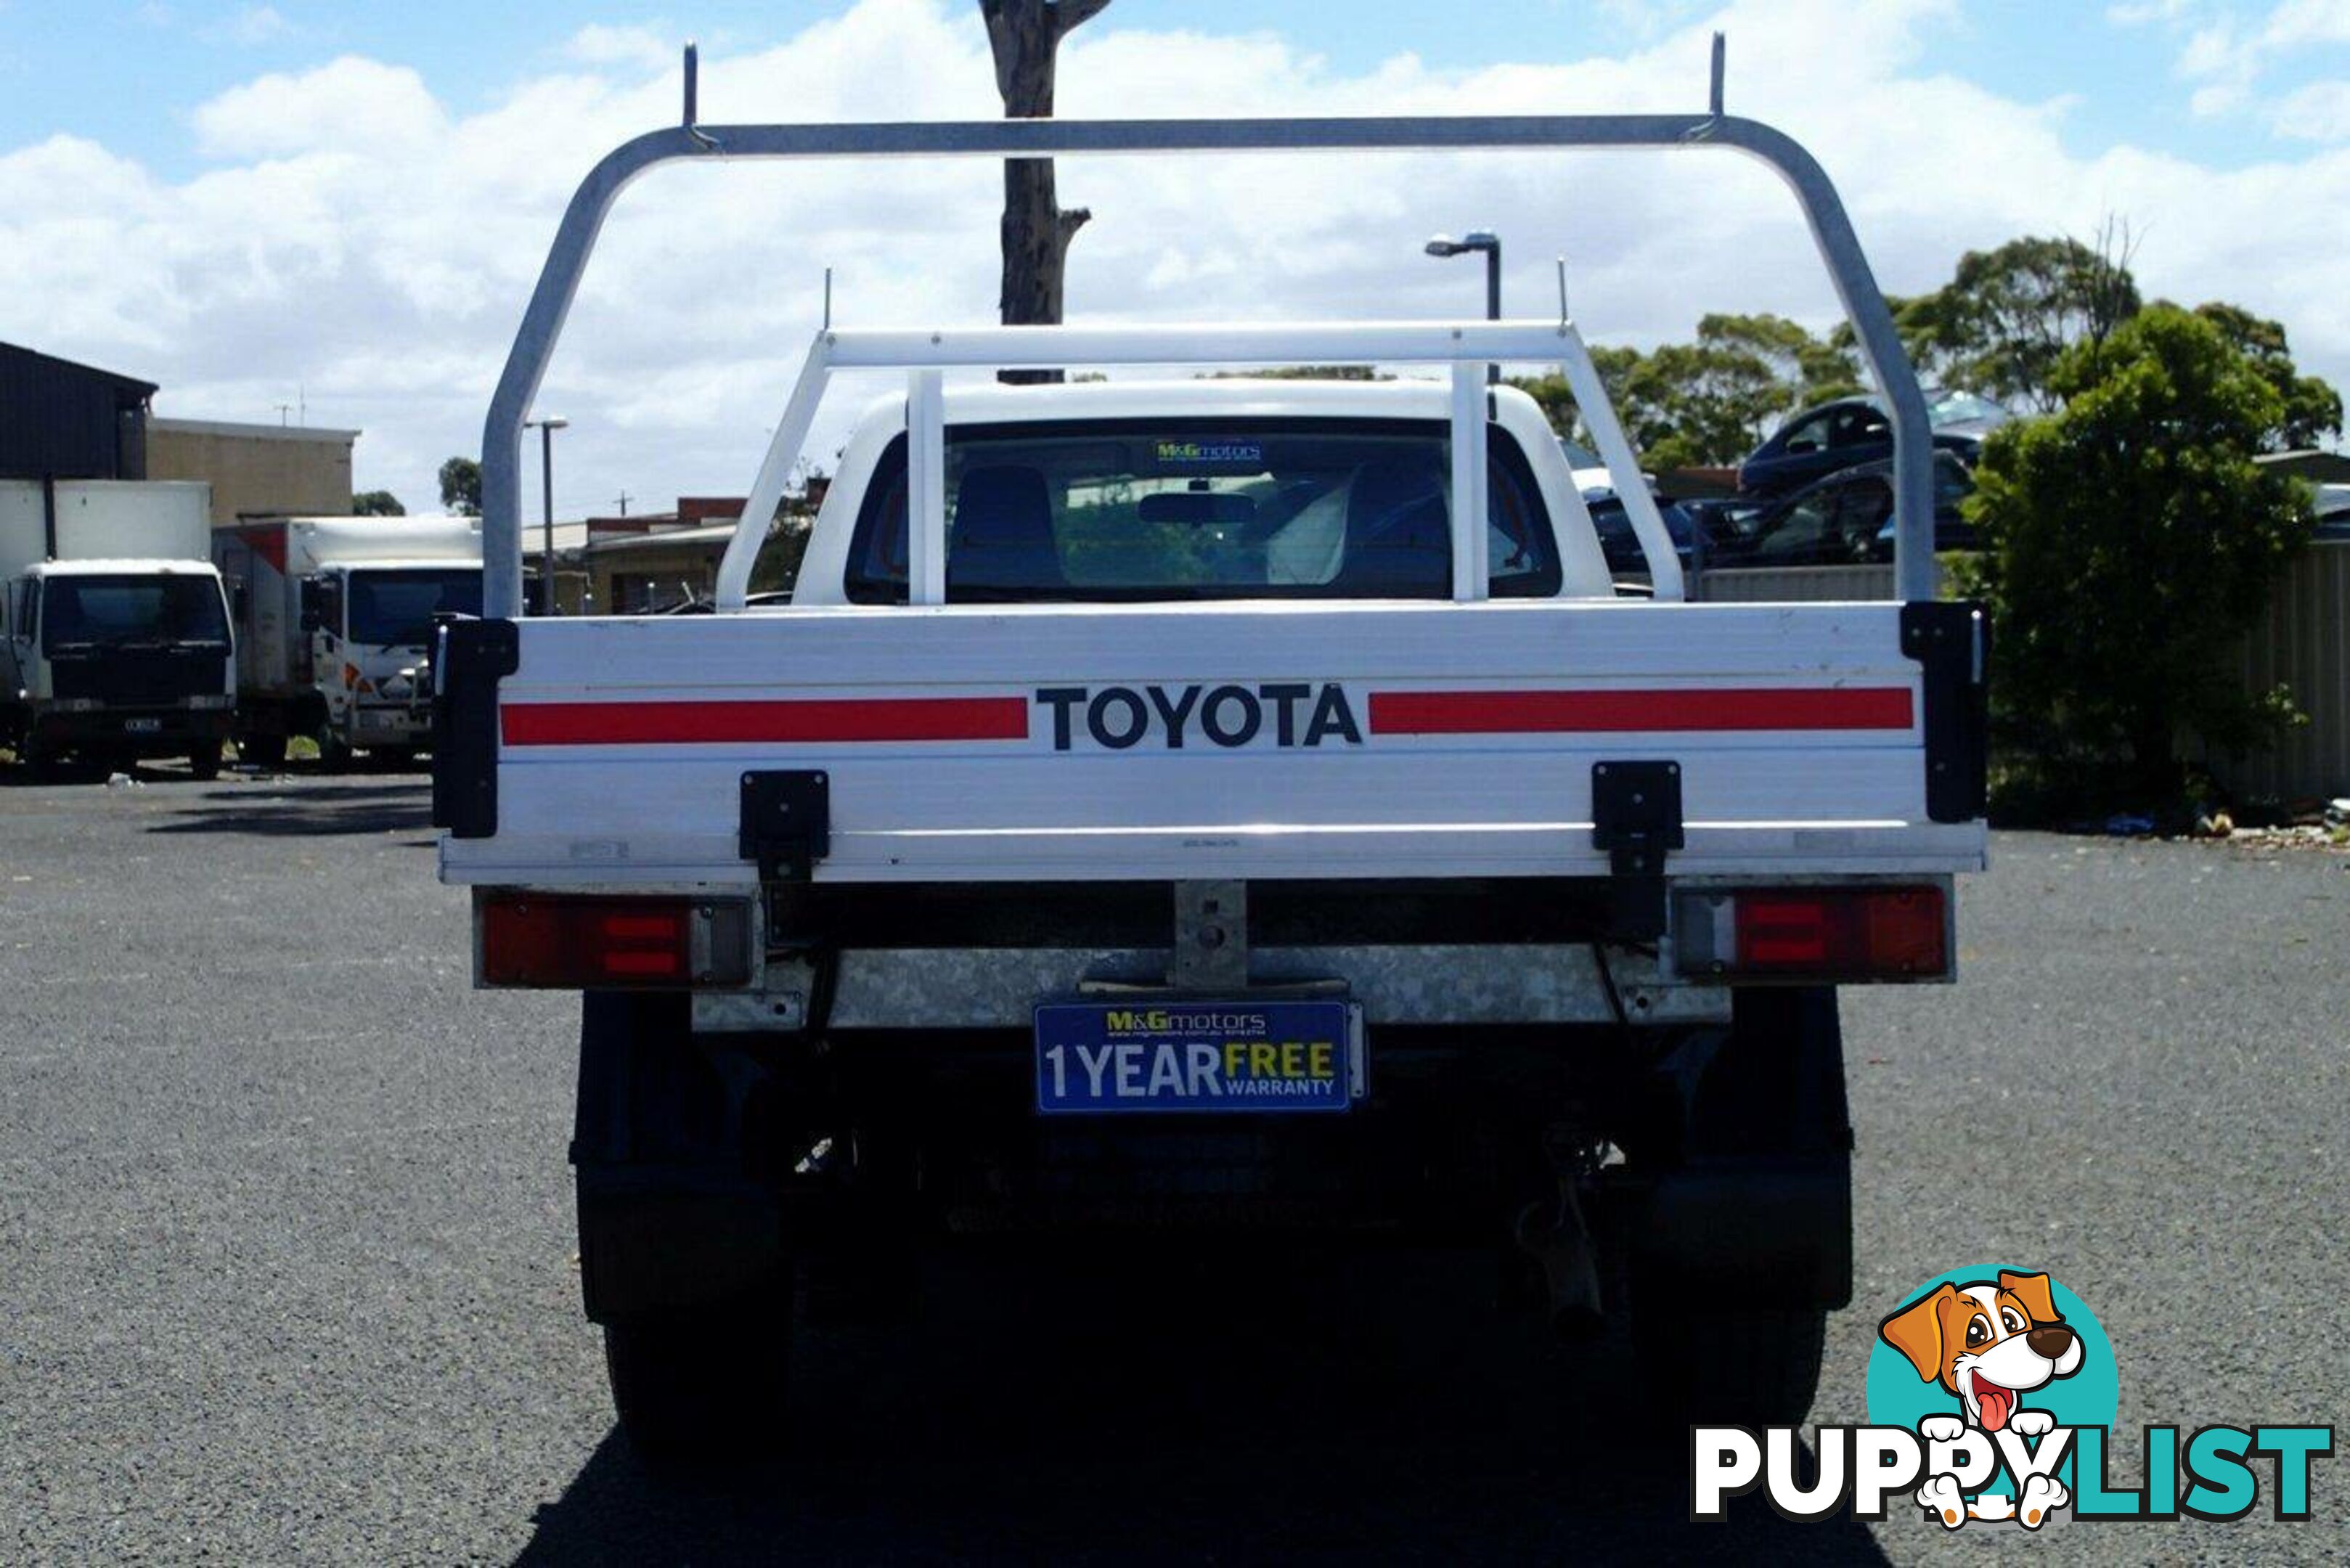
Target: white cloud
x,y
349,104
1644,20
2318,112
366,240
645,45
2145,13
251,25
2230,61
2295,23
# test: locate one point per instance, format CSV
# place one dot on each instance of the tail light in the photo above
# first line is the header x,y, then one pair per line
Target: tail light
x,y
1863,932
578,943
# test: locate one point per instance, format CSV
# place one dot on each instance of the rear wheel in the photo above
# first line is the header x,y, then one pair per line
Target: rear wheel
x,y
1750,1230
204,761
705,1381
681,1251
1738,1367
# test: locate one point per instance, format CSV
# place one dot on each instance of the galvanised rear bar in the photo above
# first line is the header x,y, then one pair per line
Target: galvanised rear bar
x,y
558,283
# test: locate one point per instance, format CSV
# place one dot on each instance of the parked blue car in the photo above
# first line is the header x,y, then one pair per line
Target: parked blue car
x,y
1846,519
1853,430
1622,547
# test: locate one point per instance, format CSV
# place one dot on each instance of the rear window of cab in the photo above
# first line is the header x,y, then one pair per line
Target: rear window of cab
x,y
1202,509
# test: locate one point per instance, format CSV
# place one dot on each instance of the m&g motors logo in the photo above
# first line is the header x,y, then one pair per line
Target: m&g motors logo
x,y
1217,452
1991,1396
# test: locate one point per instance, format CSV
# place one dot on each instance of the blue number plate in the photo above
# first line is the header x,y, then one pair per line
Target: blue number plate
x,y
1219,1057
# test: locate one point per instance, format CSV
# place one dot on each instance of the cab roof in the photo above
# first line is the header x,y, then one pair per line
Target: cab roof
x,y
1234,397
125,566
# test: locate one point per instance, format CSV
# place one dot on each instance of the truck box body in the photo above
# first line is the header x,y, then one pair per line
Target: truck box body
x,y
105,519
316,599
1234,737
117,638
1398,740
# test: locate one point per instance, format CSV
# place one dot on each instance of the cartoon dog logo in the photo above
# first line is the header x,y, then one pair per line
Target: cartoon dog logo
x,y
1988,1344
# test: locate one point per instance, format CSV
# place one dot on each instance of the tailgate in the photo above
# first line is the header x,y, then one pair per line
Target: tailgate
x,y
1340,740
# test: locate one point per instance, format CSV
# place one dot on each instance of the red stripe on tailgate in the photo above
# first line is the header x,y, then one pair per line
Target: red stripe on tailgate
x,y
823,719
1553,712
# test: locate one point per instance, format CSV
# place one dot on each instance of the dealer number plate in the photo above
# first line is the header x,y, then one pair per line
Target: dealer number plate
x,y
1218,1057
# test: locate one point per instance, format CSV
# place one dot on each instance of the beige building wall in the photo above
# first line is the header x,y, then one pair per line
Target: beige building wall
x,y
256,469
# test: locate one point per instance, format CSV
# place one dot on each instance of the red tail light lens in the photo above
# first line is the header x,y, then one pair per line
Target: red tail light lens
x,y
1856,933
573,942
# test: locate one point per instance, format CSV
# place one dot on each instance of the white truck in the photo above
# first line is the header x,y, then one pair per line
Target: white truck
x,y
1202,807
334,620
114,638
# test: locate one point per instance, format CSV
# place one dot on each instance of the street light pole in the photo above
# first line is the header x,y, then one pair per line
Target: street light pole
x,y
547,428
1490,242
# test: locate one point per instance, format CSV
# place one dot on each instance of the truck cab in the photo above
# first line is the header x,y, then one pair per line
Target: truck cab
x,y
369,630
115,638
1192,491
119,661
337,617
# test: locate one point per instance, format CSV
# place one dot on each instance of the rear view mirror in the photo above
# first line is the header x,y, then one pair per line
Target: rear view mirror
x,y
319,606
1197,507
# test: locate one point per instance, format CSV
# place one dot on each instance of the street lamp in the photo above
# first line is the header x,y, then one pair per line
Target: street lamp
x,y
1485,240
547,428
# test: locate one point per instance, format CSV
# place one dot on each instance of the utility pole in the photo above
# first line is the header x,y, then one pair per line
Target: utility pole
x,y
547,428
1490,242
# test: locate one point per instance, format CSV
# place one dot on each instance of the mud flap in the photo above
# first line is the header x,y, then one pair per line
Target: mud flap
x,y
647,1247
1782,1226
671,1217
1762,1192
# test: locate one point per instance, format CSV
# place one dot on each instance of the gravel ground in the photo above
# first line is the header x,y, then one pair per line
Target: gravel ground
x,y
286,1269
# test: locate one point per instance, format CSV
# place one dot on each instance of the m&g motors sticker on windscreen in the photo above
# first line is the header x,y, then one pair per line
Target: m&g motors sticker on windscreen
x,y
1210,455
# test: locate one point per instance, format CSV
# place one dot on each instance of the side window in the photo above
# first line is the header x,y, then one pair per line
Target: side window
x,y
1521,550
1867,503
1806,435
1952,482
1799,536
1857,427
322,605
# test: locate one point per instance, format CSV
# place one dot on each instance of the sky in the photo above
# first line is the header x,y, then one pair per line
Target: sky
x,y
342,207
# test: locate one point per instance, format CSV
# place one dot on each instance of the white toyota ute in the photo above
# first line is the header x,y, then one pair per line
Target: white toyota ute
x,y
1193,810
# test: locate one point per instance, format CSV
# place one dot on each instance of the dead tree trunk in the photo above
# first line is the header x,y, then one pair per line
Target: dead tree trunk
x,y
1026,37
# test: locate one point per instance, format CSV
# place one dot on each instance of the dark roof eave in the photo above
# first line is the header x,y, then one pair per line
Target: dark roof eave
x,y
144,388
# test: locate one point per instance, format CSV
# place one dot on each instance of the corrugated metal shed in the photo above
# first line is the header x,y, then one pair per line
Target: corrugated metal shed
x,y
2303,644
63,420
